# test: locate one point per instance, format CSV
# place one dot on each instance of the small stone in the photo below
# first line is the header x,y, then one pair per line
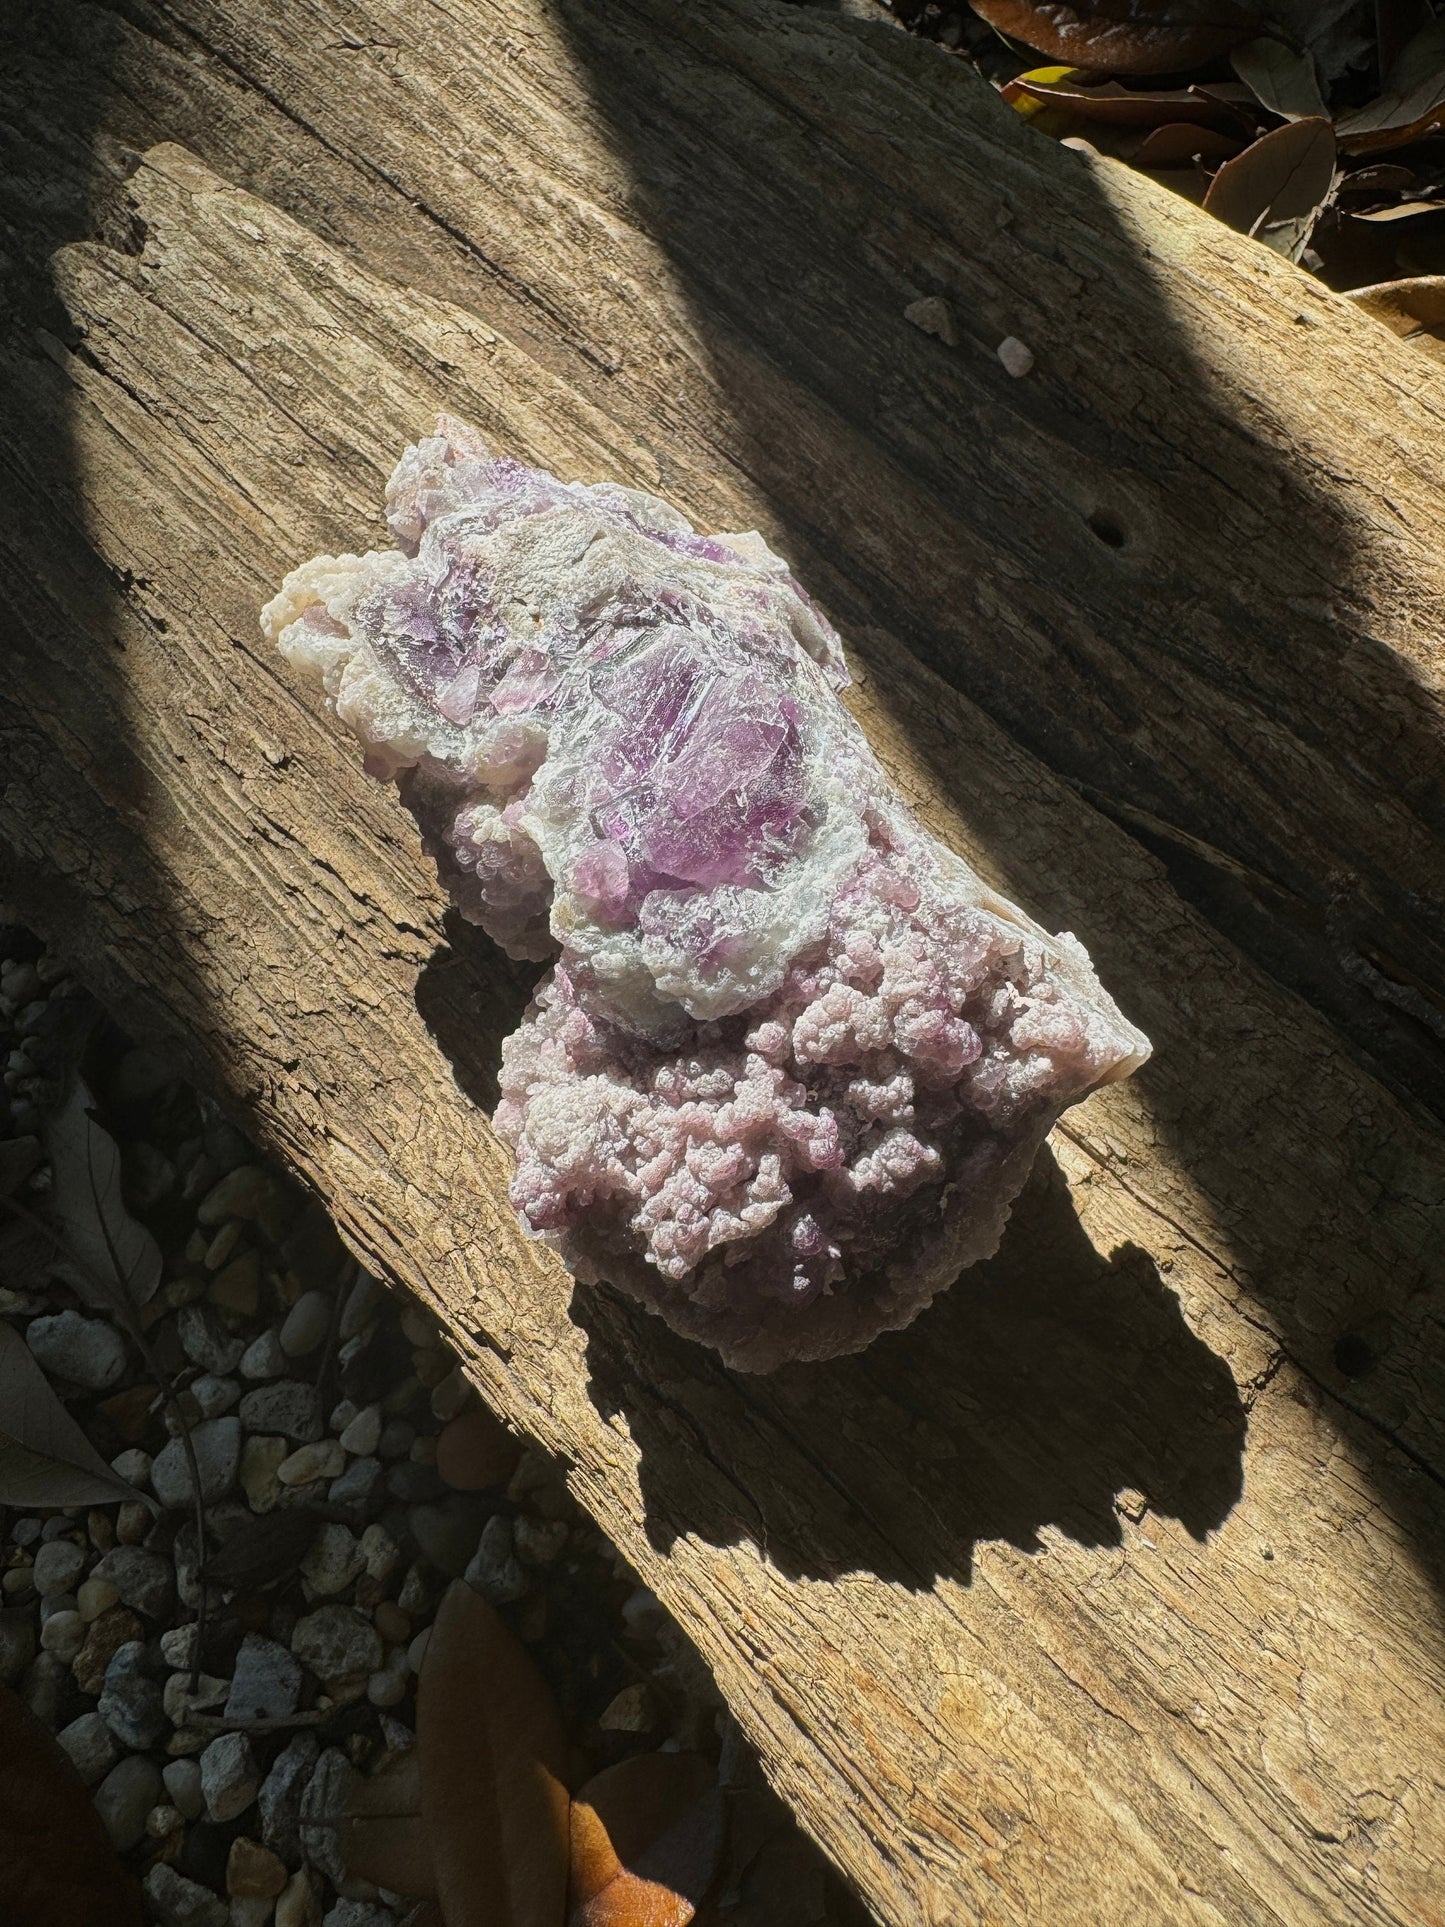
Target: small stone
x,y
363,1302
280,1797
236,1287
448,1531
149,1176
247,1192
476,1451
222,1246
17,1580
253,1871
123,1799
267,1682
180,1702
411,1484
357,1488
416,1652
363,1434
261,1460
423,1450
43,1687
91,1746
342,1413
322,1460
934,316
25,1531
415,1596
388,1687
131,1704
632,1711
58,1566
495,1571
335,1641
1017,358
100,1529
174,1901
379,1552
86,1351
335,1558
206,1342
299,1904
163,1820
142,1579
183,1784
306,1324
178,1646
322,1805
392,1623
452,1396
396,1735
396,1437
358,1913
432,1366
539,1541
63,1634
215,1396
133,1465
113,1629
288,1407
263,1357
217,1445
230,1780
132,1522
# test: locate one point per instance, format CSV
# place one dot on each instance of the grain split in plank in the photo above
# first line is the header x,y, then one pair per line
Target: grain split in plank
x,y
1081,1601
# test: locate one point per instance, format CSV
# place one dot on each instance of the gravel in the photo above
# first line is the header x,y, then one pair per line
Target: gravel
x,y
336,1642
289,1407
143,1580
58,1566
91,1746
125,1796
230,1779
217,1446
86,1351
267,1682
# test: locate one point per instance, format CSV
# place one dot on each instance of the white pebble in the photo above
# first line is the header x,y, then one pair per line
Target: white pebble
x,y
1015,356
63,1634
362,1434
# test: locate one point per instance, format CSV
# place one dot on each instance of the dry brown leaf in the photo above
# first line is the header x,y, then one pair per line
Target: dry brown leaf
x,y
1181,145
119,1259
1275,189
1280,78
45,1458
1124,36
1401,211
623,1810
1413,309
57,1868
1412,102
493,1753
1117,106
661,1882
383,1837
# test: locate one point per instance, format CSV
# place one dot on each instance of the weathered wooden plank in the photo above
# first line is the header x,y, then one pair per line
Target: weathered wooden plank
x,y
1083,1600
1165,561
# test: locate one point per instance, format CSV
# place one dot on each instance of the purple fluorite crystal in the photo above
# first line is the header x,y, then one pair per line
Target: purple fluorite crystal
x,y
793,1059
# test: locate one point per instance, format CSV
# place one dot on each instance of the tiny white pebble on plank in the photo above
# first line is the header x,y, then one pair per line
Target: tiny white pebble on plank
x,y
1015,355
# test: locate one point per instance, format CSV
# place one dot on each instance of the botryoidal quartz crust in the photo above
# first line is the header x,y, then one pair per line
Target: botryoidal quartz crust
x,y
793,1059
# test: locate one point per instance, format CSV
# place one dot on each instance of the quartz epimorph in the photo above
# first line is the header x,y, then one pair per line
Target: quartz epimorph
x,y
793,1059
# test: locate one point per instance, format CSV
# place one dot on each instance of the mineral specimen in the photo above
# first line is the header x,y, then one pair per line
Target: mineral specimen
x,y
793,1059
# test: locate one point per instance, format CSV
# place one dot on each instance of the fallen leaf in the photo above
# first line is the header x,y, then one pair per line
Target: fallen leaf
x,y
1413,309
620,1812
383,1837
1124,36
1280,78
666,1883
1117,106
1275,189
263,1550
1412,102
1180,145
118,1256
1401,211
45,1458
493,1753
57,1867
1385,177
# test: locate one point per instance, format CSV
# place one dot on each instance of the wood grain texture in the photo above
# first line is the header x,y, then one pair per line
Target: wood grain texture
x,y
1101,1595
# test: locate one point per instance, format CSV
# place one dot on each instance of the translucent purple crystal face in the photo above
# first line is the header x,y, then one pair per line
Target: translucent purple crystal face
x,y
793,1058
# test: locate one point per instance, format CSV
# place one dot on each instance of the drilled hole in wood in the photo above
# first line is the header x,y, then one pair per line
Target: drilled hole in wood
x,y
1109,529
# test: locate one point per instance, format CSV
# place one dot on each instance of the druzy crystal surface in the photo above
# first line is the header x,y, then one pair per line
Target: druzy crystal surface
x,y
793,1059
